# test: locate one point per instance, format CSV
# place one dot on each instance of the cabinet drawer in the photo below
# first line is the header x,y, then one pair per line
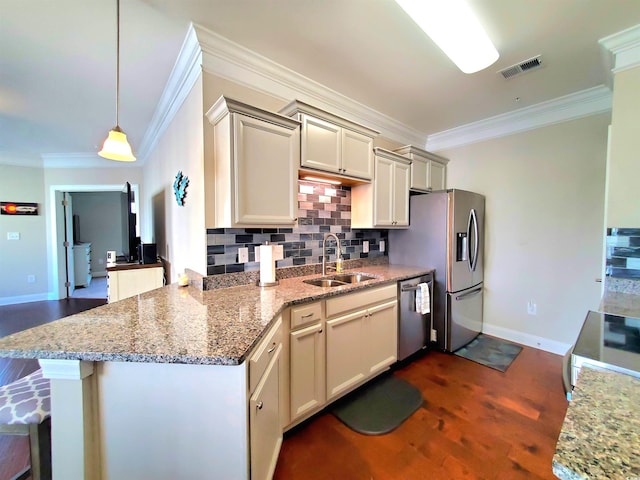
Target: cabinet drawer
x,y
304,314
262,354
344,303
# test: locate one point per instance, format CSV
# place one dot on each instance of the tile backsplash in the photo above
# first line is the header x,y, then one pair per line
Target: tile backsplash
x,y
623,252
322,208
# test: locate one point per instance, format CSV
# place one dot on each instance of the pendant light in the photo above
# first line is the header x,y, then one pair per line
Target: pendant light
x,y
115,146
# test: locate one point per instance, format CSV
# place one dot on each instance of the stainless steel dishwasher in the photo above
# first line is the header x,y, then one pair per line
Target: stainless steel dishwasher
x,y
413,327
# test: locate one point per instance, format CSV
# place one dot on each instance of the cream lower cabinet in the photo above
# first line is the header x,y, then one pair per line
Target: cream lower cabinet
x,y
362,337
428,170
307,360
265,423
252,178
385,202
124,281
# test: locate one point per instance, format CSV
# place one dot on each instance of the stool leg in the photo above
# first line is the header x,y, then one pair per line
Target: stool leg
x,y
40,443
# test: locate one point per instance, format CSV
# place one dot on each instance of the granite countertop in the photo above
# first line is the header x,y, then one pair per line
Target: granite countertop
x,y
600,437
618,303
181,324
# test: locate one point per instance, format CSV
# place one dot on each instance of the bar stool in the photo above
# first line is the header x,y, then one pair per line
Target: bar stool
x,y
25,409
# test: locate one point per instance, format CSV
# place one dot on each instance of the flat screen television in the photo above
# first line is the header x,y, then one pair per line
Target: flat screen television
x,y
130,240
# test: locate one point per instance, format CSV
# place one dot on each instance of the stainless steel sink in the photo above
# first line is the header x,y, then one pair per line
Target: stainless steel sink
x,y
324,282
338,280
353,277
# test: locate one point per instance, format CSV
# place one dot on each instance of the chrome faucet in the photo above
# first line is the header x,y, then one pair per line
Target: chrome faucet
x,y
324,250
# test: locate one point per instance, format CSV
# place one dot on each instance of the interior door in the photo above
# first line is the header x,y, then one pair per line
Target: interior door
x,y
68,242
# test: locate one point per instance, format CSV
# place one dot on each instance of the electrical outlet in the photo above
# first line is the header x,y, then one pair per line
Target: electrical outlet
x,y
31,279
532,308
13,235
434,335
243,255
382,245
365,246
278,252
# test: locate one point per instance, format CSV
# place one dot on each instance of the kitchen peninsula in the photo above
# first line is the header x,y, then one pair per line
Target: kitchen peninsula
x,y
157,385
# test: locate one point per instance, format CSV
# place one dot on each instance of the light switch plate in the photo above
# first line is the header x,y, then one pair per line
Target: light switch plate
x,y
365,246
13,235
243,255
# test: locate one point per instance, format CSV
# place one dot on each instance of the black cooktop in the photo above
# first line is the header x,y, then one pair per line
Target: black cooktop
x,y
610,339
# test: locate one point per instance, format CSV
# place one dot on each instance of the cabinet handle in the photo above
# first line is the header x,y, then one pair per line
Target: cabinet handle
x,y
320,331
272,348
307,315
259,405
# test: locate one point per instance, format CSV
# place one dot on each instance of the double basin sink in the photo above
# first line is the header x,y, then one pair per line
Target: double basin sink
x,y
339,280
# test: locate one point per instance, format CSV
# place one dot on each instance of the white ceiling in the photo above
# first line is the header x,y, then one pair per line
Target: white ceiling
x,y
57,60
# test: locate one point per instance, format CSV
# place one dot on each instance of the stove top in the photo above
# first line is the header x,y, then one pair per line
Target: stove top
x,y
610,341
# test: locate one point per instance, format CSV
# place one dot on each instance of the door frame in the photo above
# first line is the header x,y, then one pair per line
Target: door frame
x,y
56,267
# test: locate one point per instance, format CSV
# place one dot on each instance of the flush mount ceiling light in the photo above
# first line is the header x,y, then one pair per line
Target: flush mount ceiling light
x,y
115,146
455,29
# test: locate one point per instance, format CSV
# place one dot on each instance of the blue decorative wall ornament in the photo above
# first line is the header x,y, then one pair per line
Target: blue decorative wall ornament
x,y
180,187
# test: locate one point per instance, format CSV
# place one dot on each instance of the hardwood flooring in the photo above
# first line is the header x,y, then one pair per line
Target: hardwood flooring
x,y
14,450
475,423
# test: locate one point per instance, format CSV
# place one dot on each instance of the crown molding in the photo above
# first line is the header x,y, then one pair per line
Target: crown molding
x,y
183,77
82,160
227,59
624,48
587,102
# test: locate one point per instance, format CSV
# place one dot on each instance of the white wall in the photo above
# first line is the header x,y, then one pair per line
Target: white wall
x,y
544,226
178,231
27,256
100,219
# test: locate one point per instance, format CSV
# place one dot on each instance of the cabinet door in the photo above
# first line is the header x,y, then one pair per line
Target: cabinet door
x,y
401,194
307,374
357,154
265,172
419,175
127,283
381,339
320,144
383,192
264,418
345,356
437,173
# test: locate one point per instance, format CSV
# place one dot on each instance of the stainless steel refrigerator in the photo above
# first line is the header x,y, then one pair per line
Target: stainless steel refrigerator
x,y
446,232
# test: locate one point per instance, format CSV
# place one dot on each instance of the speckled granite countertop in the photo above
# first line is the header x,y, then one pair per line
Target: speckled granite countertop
x,y
623,304
600,437
180,324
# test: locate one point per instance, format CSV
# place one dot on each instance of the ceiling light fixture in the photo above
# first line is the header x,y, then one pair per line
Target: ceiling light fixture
x,y
455,29
115,146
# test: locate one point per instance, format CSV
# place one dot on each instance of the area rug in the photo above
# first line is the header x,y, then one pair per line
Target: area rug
x,y
380,406
489,351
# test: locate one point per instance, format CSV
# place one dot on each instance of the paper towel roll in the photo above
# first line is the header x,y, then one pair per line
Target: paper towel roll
x,y
267,264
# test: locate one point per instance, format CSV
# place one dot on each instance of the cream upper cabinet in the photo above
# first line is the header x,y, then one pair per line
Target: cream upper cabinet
x,y
254,170
333,144
428,170
124,281
385,202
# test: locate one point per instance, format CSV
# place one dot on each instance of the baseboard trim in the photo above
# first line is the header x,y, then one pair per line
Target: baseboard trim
x,y
35,297
534,341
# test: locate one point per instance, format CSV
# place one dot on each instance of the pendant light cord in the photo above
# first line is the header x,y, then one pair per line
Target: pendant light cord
x,y
118,64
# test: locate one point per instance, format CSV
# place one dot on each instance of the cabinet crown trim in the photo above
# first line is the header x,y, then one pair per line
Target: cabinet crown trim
x,y
413,150
381,152
225,105
296,106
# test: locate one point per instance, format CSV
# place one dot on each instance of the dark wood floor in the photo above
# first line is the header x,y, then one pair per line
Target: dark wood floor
x,y
475,423
14,450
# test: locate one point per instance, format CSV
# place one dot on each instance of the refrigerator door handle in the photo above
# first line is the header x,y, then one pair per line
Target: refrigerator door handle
x,y
473,292
476,242
469,257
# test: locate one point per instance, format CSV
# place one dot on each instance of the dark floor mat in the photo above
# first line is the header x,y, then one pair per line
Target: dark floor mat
x,y
380,406
489,351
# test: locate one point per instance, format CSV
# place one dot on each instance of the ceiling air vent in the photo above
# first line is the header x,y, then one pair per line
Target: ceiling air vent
x,y
522,67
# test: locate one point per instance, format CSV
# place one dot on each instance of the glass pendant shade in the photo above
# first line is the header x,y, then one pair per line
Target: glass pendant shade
x,y
116,147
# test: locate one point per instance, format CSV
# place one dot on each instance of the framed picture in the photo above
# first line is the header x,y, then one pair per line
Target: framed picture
x,y
18,208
